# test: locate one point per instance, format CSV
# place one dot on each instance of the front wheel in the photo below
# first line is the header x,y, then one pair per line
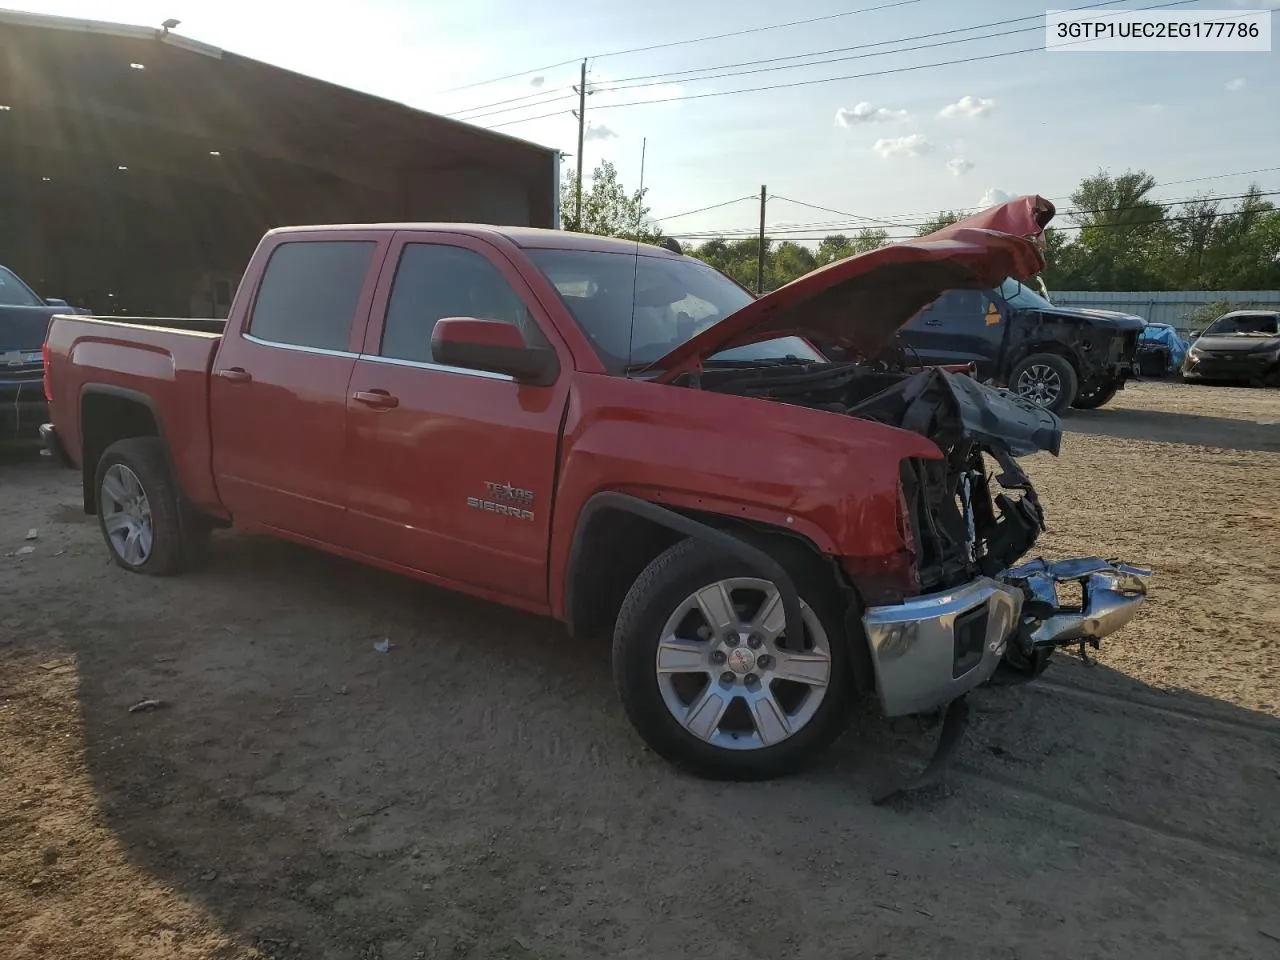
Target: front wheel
x,y
1047,380
708,676
1095,395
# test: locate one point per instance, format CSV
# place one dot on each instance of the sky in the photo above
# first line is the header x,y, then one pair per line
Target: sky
x,y
884,143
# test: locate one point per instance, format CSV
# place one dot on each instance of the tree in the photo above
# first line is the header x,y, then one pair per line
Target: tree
x,y
607,209
1121,231
838,246
943,218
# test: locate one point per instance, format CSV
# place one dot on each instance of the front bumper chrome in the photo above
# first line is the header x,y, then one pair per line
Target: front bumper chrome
x,y
932,649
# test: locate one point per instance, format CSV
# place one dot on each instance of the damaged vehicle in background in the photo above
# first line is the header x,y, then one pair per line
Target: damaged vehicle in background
x,y
1057,357
636,447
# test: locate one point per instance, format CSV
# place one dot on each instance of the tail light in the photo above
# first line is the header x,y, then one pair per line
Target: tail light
x,y
44,356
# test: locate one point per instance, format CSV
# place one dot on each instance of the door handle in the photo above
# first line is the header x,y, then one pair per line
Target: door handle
x,y
235,374
378,399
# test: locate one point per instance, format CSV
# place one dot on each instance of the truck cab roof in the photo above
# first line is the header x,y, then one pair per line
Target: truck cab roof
x,y
525,237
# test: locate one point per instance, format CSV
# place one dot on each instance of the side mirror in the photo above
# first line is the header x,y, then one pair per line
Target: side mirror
x,y
55,302
492,345
1193,334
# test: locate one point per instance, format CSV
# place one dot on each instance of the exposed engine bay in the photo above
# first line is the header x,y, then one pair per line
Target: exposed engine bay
x,y
964,525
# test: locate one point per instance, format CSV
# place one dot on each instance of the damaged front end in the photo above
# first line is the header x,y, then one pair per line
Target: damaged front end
x,y
971,524
969,518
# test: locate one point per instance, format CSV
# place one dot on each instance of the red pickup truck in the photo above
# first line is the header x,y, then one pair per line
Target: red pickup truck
x,y
617,436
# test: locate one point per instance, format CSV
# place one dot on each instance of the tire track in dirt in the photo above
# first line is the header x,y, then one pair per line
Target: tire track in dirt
x,y
1265,726
1270,860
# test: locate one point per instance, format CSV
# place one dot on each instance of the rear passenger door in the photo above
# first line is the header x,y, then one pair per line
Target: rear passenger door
x,y
279,384
451,471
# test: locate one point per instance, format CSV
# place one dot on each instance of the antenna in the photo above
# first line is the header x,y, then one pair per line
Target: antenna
x,y
631,331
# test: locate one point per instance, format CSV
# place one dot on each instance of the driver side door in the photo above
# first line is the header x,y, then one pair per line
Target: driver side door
x,y
451,471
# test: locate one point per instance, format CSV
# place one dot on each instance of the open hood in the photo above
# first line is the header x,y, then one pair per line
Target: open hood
x,y
861,302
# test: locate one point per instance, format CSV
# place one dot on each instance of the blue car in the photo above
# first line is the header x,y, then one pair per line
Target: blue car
x,y
24,318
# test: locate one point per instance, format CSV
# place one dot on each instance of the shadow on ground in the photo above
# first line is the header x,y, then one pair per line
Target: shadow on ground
x,y
1170,427
476,792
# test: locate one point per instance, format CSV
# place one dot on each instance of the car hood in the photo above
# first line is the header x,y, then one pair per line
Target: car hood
x,y
861,302
24,328
1236,343
1109,318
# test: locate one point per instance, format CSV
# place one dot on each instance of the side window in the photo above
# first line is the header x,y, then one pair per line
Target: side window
x,y
434,281
955,310
309,292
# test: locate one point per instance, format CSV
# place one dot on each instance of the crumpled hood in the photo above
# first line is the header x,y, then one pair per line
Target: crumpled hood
x,y
860,302
1111,318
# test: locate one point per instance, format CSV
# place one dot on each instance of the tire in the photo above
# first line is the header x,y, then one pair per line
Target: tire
x,y
728,750
167,537
1092,397
1042,368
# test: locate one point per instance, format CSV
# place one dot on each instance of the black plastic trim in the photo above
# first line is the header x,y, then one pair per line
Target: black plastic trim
x,y
764,564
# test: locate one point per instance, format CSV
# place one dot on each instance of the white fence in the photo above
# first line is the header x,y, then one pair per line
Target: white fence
x,y
1168,306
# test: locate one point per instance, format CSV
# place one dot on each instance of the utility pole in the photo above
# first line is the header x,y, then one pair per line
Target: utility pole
x,y
582,129
760,252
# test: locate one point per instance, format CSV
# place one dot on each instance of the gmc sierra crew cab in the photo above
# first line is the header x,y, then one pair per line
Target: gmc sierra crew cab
x,y
617,436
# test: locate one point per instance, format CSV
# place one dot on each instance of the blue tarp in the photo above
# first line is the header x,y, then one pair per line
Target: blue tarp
x,y
1163,333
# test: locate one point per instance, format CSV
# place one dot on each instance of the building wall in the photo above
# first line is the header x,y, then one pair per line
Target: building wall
x,y
1176,307
475,194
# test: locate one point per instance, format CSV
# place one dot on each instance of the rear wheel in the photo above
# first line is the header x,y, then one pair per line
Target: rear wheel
x,y
1047,380
1095,395
709,677
143,520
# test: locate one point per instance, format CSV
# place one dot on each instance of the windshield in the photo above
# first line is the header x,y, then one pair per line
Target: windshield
x,y
15,293
1262,323
673,301
1020,295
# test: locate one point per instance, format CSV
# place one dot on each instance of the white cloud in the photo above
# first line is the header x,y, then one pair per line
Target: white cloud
x,y
599,132
537,81
865,112
968,106
959,166
1236,84
994,197
909,146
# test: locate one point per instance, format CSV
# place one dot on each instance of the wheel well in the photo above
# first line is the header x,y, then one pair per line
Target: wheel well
x,y
617,545
104,419
1048,346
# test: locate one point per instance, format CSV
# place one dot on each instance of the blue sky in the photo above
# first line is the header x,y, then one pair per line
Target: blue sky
x,y
1033,123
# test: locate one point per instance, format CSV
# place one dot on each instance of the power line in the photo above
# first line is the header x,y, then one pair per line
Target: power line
x,y
860,46
736,232
498,103
509,76
679,43
714,206
805,83
679,76
621,85
814,206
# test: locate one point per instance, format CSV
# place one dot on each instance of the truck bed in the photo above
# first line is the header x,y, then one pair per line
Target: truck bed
x,y
162,362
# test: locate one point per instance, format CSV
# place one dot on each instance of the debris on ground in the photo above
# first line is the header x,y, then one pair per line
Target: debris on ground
x,y
23,551
144,705
32,534
383,645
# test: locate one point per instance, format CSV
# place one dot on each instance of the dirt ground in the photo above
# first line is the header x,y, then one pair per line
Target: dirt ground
x,y
475,792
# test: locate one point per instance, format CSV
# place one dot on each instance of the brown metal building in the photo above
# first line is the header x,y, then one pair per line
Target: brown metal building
x,y
139,168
